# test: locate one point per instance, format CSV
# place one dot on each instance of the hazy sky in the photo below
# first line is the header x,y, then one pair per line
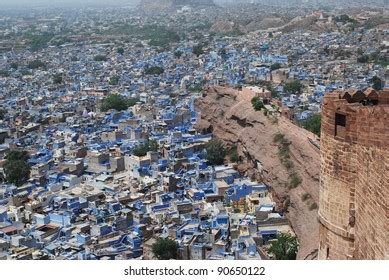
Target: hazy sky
x,y
134,2
64,2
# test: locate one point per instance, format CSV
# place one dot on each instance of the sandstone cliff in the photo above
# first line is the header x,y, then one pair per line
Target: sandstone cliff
x,y
231,118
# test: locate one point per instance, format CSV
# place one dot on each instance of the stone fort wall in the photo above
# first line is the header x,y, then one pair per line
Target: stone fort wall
x,y
354,184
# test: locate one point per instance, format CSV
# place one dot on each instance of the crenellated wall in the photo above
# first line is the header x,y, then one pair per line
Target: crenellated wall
x,y
354,183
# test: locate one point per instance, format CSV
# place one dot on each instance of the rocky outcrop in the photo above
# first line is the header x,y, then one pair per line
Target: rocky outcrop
x,y
227,27
230,116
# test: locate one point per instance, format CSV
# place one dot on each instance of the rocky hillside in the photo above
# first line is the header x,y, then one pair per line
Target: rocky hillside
x,y
230,116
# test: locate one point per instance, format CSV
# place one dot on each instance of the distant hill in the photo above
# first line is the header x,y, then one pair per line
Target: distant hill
x,y
170,5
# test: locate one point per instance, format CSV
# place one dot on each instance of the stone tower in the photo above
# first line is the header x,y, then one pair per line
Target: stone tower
x,y
354,184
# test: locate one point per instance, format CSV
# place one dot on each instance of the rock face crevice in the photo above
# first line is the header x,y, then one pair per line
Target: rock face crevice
x,y
233,120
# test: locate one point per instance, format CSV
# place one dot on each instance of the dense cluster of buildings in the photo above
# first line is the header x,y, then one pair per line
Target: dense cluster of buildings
x,y
90,197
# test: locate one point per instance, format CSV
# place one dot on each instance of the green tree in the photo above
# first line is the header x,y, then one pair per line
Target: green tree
x,y
215,152
149,146
223,53
377,83
114,80
198,50
3,112
120,51
154,70
257,104
57,79
178,54
14,65
275,66
294,86
313,124
165,249
16,169
117,102
4,73
35,64
363,59
100,58
285,247
233,154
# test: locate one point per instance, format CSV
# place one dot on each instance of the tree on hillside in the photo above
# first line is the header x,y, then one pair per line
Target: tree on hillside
x,y
313,124
285,247
257,104
165,249
215,152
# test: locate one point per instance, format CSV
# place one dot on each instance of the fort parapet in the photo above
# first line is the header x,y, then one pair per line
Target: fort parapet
x,y
354,181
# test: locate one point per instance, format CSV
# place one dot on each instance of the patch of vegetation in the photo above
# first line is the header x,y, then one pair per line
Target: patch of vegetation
x,y
313,206
120,51
16,168
377,83
284,156
257,104
195,88
223,53
295,180
344,19
275,66
149,146
363,59
285,247
374,57
215,152
57,78
178,54
3,113
305,196
40,41
294,86
313,124
114,80
165,249
117,102
14,65
158,36
198,50
278,137
154,70
233,154
37,64
100,58
4,73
